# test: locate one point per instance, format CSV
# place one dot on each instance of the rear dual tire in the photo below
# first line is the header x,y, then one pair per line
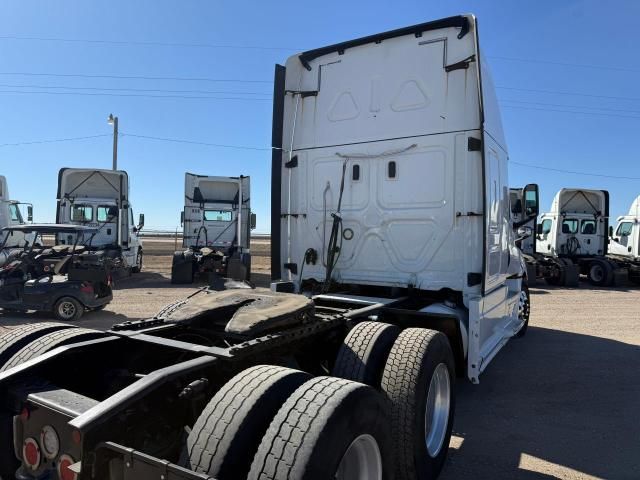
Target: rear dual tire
x,y
272,422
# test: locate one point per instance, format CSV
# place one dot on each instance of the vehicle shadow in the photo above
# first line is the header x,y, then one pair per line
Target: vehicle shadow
x,y
552,401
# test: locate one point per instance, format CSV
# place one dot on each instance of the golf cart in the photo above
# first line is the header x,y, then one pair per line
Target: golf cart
x,y
64,279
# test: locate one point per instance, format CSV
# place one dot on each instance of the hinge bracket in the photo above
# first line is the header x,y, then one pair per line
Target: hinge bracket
x,y
461,65
292,163
303,93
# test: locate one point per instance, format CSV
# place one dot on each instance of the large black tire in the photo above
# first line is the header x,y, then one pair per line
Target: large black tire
x,y
524,309
68,309
182,271
48,342
309,436
419,358
600,273
138,266
12,341
364,352
227,434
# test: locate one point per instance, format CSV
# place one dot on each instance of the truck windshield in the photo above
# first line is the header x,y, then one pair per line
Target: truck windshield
x,y
81,213
217,216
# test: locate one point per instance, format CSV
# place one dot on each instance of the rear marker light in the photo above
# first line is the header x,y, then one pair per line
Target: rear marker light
x,y
31,453
25,414
64,472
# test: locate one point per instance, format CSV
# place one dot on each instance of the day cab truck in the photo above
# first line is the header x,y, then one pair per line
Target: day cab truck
x,y
575,232
395,272
555,270
624,241
216,229
100,198
10,214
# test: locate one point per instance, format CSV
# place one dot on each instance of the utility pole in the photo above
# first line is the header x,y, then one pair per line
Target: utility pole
x,y
114,121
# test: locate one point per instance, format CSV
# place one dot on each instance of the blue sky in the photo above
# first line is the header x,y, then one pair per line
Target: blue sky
x,y
585,48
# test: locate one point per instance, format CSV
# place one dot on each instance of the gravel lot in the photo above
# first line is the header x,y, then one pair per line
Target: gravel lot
x,y
562,402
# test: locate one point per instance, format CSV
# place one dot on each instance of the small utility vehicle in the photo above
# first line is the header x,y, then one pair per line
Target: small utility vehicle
x,y
390,216
66,280
217,223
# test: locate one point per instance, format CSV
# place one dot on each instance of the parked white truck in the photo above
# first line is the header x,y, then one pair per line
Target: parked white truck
x,y
390,186
624,241
100,198
575,232
10,214
216,228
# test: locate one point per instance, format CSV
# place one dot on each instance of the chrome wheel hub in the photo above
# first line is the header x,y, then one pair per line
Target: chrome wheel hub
x,y
436,417
361,461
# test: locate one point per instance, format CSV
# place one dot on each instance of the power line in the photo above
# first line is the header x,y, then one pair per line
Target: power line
x,y
56,140
565,64
556,92
61,87
144,44
573,172
569,111
569,106
191,97
194,142
134,77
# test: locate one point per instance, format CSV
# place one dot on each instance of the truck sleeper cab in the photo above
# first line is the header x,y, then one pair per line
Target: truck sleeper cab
x,y
10,214
100,198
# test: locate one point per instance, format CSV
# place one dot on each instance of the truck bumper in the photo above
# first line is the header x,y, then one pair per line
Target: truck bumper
x,y
114,461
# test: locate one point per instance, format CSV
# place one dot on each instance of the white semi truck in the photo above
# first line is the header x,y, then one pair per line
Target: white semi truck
x,y
10,214
574,232
216,228
100,198
624,241
390,215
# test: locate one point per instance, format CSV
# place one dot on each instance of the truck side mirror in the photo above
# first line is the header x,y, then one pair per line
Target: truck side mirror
x,y
29,213
610,231
140,221
539,229
253,221
182,218
531,197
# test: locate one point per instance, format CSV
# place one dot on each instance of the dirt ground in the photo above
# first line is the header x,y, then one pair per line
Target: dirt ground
x,y
562,402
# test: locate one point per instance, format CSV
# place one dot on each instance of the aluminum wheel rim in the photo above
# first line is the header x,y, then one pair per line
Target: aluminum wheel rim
x,y
522,305
597,274
361,461
436,418
67,309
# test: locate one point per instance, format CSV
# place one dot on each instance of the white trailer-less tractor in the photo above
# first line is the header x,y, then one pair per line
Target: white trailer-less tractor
x,y
10,214
575,232
217,223
100,198
391,213
624,241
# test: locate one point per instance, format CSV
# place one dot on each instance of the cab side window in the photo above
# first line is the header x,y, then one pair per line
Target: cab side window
x,y
15,213
546,225
624,229
82,213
